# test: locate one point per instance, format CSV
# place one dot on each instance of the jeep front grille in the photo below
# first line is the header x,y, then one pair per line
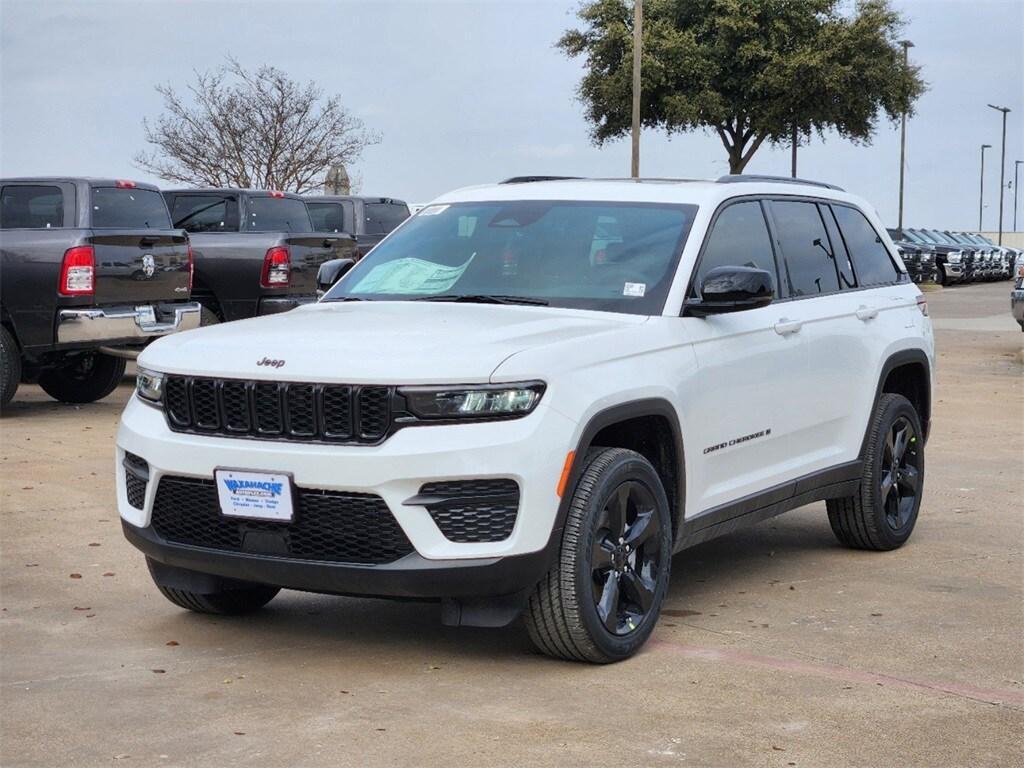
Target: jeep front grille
x,y
336,413
328,526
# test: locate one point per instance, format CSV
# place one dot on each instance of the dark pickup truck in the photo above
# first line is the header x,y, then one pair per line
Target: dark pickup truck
x,y
90,271
368,219
256,252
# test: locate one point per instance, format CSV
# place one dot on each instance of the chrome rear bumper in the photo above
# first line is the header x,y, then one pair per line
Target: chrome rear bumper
x,y
131,324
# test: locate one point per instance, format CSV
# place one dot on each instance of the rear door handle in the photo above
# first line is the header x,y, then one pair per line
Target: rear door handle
x,y
866,313
786,327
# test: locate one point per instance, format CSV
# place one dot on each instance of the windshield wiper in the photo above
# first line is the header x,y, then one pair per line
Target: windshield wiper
x,y
484,298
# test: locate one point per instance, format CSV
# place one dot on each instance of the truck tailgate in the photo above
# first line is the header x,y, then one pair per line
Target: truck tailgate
x,y
309,251
134,266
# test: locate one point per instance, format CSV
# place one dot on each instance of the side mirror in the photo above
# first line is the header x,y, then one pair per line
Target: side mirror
x,y
731,289
331,272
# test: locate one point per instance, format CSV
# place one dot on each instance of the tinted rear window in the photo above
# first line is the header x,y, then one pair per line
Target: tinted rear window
x,y
31,207
809,261
117,208
205,213
871,258
381,218
327,217
277,214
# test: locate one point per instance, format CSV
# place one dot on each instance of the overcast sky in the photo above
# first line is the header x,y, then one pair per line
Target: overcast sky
x,y
472,92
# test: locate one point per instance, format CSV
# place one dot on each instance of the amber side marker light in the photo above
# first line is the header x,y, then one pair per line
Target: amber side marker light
x,y
566,470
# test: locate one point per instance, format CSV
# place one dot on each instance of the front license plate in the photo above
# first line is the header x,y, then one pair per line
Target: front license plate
x,y
254,495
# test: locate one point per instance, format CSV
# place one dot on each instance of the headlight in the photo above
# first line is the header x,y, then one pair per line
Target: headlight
x,y
954,258
149,385
489,401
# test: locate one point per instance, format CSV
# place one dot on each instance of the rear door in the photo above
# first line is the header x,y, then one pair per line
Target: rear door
x,y
139,256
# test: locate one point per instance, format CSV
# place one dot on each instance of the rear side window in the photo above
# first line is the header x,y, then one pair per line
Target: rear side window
x,y
870,257
381,218
809,266
119,208
31,207
277,214
205,213
739,238
327,217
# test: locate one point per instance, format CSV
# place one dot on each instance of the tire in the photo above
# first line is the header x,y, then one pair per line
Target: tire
x,y
940,277
83,378
226,602
562,615
10,367
882,514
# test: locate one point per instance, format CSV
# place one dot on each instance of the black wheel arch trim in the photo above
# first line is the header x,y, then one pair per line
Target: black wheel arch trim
x,y
894,361
654,406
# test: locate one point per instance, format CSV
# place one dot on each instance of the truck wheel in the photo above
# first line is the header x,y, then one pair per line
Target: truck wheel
x,y
940,277
10,367
207,316
83,378
601,598
882,514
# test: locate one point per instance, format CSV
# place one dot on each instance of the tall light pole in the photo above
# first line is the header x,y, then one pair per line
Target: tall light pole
x,y
1016,167
1002,169
907,45
981,191
638,45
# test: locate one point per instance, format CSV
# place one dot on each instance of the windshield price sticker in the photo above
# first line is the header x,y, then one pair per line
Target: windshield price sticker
x,y
634,289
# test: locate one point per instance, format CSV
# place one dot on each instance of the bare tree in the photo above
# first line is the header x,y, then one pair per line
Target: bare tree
x,y
258,129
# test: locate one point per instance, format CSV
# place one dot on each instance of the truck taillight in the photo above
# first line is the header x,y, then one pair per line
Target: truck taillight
x,y
191,267
277,268
78,272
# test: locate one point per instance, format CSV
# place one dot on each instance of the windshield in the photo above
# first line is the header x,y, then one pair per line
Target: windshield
x,y
617,257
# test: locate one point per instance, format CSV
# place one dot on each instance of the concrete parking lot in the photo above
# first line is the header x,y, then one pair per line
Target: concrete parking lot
x,y
776,646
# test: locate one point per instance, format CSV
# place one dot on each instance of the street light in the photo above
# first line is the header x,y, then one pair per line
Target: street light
x,y
1002,169
907,45
981,192
638,44
1016,167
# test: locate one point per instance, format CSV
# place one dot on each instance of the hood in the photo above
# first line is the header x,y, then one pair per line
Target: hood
x,y
395,342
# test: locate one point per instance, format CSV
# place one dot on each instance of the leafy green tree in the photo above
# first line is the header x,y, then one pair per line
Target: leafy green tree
x,y
750,70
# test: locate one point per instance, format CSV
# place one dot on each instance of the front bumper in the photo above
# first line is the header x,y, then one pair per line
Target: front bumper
x,y
954,271
125,324
530,451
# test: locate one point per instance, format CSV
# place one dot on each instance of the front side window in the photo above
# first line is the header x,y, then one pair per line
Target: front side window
x,y
327,217
129,208
870,257
739,238
28,206
618,257
277,214
205,213
808,258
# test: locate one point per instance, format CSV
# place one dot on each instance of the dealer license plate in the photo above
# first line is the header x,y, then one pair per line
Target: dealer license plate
x,y
254,495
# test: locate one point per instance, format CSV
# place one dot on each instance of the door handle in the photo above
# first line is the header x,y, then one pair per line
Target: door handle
x,y
866,313
786,327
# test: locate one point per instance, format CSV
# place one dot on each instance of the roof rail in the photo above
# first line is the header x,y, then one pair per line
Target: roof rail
x,y
527,179
746,177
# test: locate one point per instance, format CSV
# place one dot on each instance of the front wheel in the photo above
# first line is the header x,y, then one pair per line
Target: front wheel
x,y
600,600
882,514
242,598
83,378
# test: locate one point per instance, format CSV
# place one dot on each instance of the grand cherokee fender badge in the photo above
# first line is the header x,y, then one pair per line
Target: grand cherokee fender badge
x,y
271,363
738,440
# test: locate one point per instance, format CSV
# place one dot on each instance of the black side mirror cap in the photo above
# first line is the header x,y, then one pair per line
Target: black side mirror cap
x,y
731,289
331,272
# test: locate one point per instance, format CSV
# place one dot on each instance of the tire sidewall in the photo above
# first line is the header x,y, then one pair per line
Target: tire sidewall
x,y
896,407
10,366
624,469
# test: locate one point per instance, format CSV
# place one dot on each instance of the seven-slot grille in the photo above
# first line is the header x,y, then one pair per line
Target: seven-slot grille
x,y
328,526
337,413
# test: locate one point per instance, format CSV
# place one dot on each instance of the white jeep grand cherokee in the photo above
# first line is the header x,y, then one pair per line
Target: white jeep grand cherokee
x,y
530,396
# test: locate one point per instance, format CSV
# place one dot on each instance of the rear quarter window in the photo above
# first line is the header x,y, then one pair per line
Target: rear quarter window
x,y
120,208
25,206
871,259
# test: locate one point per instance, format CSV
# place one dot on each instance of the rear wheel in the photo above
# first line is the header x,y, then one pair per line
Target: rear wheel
x,y
244,598
83,378
10,367
207,316
883,513
601,598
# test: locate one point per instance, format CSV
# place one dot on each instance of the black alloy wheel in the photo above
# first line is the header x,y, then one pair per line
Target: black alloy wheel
x,y
900,481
